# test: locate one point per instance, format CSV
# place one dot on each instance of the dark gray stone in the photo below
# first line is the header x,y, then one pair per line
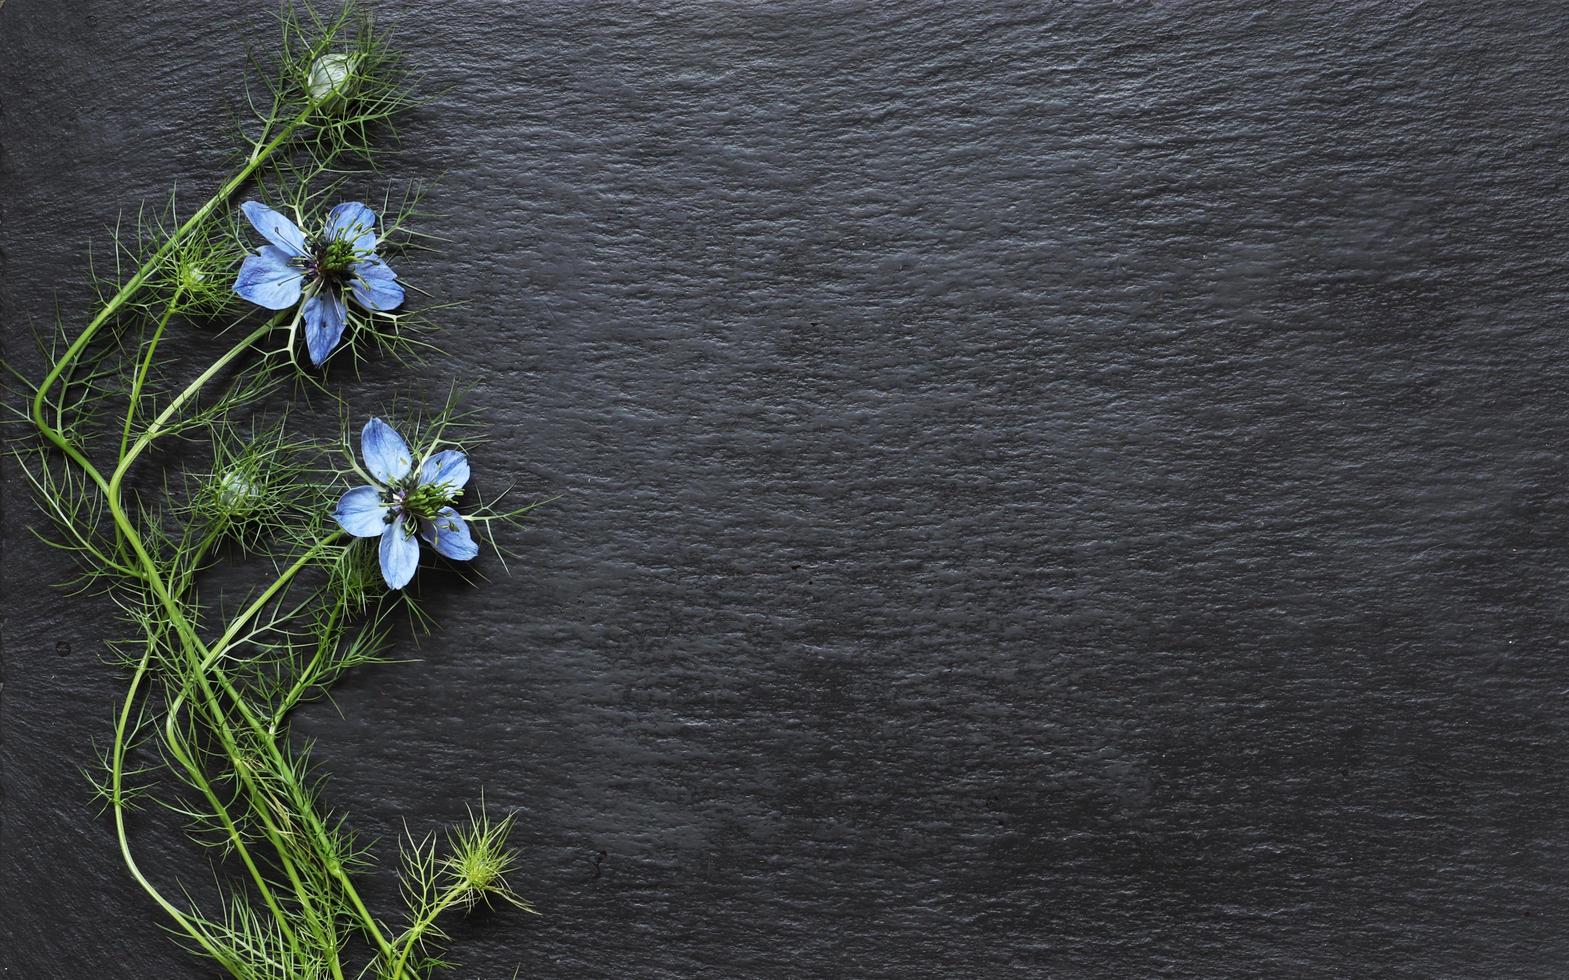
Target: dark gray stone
x,y
1049,489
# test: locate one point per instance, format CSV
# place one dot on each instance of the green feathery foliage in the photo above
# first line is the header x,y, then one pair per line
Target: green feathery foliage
x,y
153,474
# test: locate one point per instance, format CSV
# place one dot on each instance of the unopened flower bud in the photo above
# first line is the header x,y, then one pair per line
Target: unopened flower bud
x,y
192,277
332,76
238,494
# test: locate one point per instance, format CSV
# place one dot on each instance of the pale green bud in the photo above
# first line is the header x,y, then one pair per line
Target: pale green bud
x,y
238,494
332,76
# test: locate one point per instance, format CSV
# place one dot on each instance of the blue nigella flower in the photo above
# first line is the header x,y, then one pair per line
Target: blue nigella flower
x,y
407,500
320,268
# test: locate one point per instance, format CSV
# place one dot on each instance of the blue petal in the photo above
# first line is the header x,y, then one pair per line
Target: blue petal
x,y
449,535
449,467
375,285
275,228
386,455
373,267
354,222
325,317
399,555
269,279
362,513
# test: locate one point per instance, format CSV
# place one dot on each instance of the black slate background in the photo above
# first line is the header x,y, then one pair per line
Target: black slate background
x,y
1050,489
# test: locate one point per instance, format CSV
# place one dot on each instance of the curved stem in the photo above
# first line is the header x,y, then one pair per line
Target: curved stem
x,y
206,657
194,648
266,733
191,391
408,939
194,771
258,156
199,779
146,366
271,592
117,798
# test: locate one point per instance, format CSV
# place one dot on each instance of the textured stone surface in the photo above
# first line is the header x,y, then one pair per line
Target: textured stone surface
x,y
1069,489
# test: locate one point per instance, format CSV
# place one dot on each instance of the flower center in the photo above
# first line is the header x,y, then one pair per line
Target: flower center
x,y
331,260
417,502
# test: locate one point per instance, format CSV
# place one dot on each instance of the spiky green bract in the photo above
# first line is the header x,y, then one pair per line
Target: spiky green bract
x,y
470,870
169,464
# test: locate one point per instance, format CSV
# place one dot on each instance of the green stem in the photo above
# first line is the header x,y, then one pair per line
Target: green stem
x,y
194,649
267,737
199,778
258,156
266,733
191,391
417,930
146,366
117,797
193,769
300,686
208,657
190,641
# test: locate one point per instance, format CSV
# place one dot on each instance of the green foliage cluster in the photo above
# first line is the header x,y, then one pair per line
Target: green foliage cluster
x,y
153,479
